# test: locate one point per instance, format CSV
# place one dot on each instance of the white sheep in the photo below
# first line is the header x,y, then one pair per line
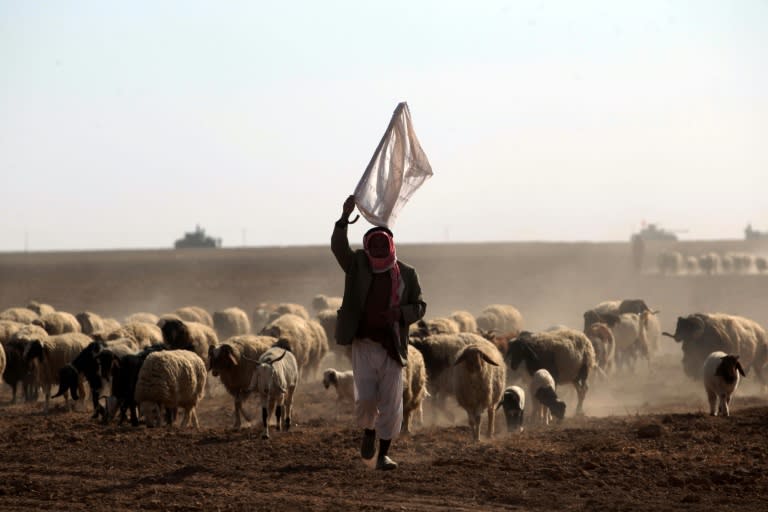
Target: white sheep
x,y
500,318
465,320
19,315
195,314
604,344
321,302
90,322
344,382
40,308
234,361
414,387
231,322
479,379
275,379
142,333
52,354
721,378
287,308
544,397
167,380
58,322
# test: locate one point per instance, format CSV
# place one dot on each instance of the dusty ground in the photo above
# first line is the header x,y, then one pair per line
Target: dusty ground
x,y
646,442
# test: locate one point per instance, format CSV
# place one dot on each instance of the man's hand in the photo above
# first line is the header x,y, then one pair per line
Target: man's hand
x,y
349,206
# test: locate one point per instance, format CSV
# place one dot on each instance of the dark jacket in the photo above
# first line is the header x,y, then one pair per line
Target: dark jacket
x,y
356,284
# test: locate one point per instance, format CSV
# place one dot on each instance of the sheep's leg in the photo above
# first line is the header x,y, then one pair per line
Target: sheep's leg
x,y
265,422
581,392
193,414
185,418
491,418
13,400
712,397
725,400
407,420
47,390
238,411
278,417
288,406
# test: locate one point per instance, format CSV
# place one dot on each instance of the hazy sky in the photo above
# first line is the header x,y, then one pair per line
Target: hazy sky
x,y
123,124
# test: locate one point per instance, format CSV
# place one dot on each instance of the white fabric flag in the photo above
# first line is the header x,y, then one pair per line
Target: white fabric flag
x,y
398,167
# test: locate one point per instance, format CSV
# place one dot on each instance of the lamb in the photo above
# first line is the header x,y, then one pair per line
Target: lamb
x,y
414,387
234,362
344,382
545,401
566,354
500,318
58,322
478,381
52,354
465,320
275,379
19,315
701,334
721,378
304,338
231,322
321,302
193,336
513,404
170,379
195,314
628,319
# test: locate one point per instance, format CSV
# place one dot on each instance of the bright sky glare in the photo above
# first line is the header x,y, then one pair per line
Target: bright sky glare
x,y
124,124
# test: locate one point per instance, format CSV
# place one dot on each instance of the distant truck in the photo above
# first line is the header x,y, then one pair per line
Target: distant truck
x,y
654,232
196,240
753,234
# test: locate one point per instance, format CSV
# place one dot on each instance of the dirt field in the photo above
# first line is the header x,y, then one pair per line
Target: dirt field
x,y
646,442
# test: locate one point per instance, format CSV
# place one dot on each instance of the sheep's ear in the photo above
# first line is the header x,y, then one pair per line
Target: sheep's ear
x,y
461,358
488,359
332,377
740,368
232,359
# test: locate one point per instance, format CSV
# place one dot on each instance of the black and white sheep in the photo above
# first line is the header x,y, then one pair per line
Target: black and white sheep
x,y
478,380
544,397
721,378
231,322
566,354
124,374
234,362
193,336
167,380
513,405
275,379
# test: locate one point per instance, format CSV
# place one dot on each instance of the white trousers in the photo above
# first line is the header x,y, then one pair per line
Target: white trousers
x,y
378,388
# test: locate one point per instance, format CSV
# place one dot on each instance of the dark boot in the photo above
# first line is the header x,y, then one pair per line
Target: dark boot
x,y
383,462
368,446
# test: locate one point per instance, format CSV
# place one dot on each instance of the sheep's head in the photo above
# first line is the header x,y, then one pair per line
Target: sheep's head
x,y
329,377
34,350
220,358
176,334
590,317
687,328
152,413
730,368
473,357
558,409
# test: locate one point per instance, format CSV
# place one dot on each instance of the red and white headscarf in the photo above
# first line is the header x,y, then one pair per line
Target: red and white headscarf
x,y
388,263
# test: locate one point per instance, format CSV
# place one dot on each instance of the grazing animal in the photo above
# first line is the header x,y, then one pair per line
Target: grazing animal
x,y
544,396
721,378
513,404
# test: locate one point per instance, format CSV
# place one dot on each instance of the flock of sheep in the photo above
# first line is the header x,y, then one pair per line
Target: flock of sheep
x,y
672,262
150,366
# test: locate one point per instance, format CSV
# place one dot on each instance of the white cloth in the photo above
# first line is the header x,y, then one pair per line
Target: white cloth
x,y
378,388
398,167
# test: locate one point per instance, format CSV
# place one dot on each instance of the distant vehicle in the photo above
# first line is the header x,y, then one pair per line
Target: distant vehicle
x,y
753,234
197,239
654,232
